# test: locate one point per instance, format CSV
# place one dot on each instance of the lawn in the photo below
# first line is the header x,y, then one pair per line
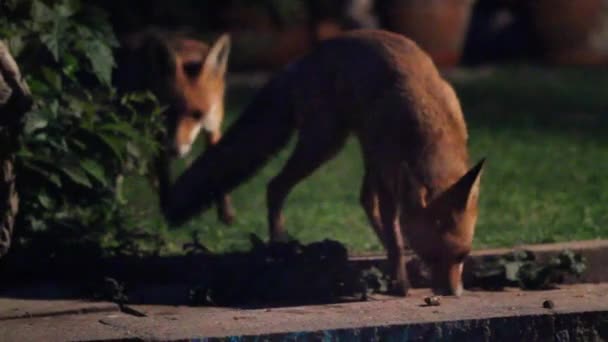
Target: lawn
x,y
542,130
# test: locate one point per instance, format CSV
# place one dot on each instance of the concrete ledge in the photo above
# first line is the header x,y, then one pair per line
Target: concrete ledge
x,y
27,308
580,312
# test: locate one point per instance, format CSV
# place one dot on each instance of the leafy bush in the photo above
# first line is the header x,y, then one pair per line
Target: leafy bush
x,y
81,137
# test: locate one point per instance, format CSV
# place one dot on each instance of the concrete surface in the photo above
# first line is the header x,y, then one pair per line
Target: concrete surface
x,y
27,308
580,311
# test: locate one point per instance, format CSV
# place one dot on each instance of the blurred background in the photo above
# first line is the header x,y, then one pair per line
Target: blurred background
x,y
531,75
270,33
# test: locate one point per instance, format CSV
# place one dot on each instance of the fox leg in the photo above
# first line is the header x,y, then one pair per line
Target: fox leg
x,y
312,149
369,202
225,210
389,206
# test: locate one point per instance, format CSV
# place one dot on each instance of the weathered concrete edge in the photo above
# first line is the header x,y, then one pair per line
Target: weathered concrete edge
x,y
594,251
583,326
587,326
579,326
110,307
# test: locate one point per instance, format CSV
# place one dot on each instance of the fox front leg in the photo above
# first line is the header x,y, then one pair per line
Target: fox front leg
x,y
395,244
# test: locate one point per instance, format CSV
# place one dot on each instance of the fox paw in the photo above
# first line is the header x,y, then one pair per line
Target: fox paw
x,y
398,288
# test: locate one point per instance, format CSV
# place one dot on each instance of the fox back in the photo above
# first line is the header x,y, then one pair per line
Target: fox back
x,y
185,74
383,89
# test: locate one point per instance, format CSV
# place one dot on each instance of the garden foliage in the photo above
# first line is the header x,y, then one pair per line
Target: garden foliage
x,y
81,137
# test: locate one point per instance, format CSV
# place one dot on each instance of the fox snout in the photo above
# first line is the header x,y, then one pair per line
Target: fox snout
x,y
187,128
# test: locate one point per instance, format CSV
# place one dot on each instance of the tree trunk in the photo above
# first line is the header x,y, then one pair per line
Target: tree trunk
x,y
15,100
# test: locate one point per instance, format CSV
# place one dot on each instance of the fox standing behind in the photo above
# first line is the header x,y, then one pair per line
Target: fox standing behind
x,y
383,89
188,76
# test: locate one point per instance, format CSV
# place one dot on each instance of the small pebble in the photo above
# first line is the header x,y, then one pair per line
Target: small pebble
x,y
432,300
548,304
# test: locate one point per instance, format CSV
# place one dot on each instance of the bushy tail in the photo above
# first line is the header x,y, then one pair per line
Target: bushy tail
x,y
262,130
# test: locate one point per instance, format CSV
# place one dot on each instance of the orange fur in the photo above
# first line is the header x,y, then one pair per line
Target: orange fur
x,y
383,89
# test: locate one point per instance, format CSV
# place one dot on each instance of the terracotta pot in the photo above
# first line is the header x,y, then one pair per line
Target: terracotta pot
x,y
438,26
572,31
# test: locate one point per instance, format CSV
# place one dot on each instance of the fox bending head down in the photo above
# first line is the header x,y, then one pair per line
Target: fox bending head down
x,y
188,77
383,89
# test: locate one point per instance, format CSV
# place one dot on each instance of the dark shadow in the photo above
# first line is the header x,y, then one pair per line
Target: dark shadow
x,y
282,274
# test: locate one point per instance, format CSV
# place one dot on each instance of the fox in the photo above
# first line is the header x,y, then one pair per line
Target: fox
x,y
186,75
384,90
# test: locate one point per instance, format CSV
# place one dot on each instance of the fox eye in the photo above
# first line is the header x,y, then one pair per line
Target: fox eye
x,y
192,69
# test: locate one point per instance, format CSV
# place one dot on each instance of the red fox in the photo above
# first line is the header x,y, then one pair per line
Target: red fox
x,y
188,76
385,90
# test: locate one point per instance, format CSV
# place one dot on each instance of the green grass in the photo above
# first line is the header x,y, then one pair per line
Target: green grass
x,y
543,132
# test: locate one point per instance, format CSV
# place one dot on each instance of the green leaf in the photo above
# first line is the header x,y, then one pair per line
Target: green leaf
x,y
512,270
95,170
67,8
70,65
51,41
45,200
52,77
101,59
133,150
77,176
120,189
114,144
34,121
41,12
16,45
121,127
38,87
56,38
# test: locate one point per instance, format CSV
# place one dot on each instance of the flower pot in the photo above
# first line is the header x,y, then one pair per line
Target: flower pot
x,y
572,32
438,26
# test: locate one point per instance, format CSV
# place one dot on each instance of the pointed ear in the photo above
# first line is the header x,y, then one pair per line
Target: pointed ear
x,y
216,62
466,190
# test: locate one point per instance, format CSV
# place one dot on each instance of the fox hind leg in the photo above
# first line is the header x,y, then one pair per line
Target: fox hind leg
x,y
369,202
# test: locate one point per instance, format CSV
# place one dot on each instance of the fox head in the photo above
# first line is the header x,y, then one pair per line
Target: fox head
x,y
441,229
186,75
198,91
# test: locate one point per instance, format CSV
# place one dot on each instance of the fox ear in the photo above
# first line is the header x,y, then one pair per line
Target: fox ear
x,y
217,60
466,190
